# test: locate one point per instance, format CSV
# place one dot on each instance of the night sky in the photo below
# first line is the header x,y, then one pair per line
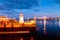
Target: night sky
x,y
30,8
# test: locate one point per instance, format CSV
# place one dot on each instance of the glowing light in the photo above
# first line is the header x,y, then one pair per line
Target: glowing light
x,y
44,24
21,19
8,25
16,25
44,17
21,38
32,21
27,23
14,32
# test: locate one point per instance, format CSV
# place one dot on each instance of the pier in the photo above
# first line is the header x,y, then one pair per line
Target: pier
x,y
11,25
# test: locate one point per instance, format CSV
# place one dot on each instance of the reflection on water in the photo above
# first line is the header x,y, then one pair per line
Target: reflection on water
x,y
46,29
44,32
40,22
50,27
44,25
31,38
21,38
59,22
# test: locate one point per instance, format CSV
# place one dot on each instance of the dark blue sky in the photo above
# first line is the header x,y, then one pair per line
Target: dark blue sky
x,y
30,8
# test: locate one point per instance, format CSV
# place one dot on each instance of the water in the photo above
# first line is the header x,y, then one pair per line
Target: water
x,y
46,30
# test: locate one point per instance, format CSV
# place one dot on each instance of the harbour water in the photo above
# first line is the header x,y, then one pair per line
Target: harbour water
x,y
45,30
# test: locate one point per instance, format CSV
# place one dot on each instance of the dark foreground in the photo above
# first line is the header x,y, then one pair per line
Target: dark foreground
x,y
29,36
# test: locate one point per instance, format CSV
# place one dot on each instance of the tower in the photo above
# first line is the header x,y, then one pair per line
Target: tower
x,y
21,19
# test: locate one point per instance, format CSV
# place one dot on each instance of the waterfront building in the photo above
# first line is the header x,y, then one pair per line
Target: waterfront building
x,y
21,18
11,24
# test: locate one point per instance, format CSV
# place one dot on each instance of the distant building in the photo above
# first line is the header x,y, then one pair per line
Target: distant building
x,y
3,18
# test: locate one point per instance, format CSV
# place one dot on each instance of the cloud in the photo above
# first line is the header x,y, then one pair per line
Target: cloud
x,y
30,8
19,4
13,7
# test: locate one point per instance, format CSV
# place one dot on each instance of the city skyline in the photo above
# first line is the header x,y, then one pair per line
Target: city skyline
x,y
30,8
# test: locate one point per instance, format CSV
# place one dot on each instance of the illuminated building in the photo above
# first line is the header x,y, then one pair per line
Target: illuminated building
x,y
21,19
11,24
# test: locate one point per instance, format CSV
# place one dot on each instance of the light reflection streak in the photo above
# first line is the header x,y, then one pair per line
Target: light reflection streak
x,y
44,25
59,22
14,32
40,22
37,29
32,38
44,32
56,22
21,38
